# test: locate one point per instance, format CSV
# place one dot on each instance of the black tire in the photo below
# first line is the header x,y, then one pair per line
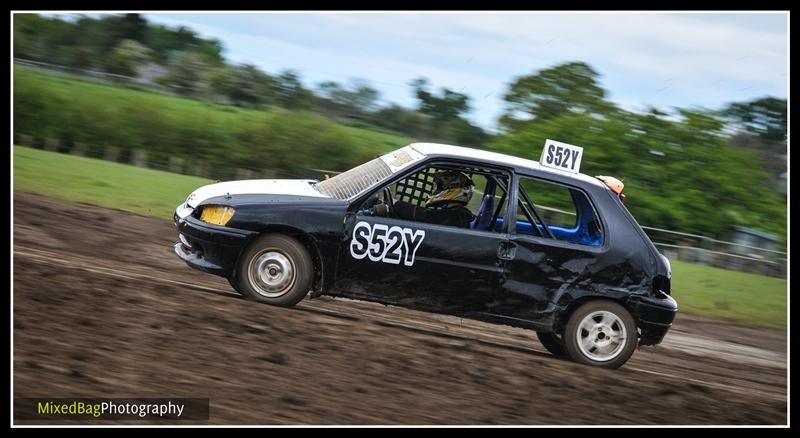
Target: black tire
x,y
275,269
552,342
599,348
234,284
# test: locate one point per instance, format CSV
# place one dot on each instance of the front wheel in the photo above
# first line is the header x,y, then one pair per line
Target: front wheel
x,y
234,283
601,333
275,269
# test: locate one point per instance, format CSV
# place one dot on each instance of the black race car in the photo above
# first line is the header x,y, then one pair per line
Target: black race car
x,y
573,264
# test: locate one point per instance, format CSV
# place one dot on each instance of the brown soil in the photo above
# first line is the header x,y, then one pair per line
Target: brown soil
x,y
103,308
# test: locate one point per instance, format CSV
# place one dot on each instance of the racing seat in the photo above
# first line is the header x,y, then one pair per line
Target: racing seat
x,y
486,211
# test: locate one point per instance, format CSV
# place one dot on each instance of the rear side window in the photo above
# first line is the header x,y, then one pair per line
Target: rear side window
x,y
556,211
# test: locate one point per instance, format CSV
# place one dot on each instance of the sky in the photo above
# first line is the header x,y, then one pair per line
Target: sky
x,y
664,60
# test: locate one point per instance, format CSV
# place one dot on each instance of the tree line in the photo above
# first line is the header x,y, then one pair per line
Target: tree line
x,y
687,169
691,169
195,67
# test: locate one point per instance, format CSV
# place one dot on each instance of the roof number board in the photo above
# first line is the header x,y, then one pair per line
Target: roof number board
x,y
562,156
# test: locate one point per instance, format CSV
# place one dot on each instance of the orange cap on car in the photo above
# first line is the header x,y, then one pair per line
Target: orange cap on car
x,y
614,184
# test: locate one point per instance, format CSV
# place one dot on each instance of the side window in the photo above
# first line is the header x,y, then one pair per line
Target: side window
x,y
479,207
564,213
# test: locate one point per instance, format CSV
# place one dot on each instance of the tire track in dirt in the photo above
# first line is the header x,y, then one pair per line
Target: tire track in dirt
x,y
432,324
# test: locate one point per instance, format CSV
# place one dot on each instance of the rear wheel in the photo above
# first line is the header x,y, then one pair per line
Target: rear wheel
x,y
274,269
552,342
601,333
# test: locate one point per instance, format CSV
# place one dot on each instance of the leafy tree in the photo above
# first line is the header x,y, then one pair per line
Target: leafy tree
x,y
680,172
445,112
461,132
765,117
127,27
447,106
289,91
53,40
555,91
126,57
358,96
761,126
165,41
27,36
44,39
407,121
244,85
187,73
364,97
80,58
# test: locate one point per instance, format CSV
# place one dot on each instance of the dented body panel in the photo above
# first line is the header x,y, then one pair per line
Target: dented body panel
x,y
502,277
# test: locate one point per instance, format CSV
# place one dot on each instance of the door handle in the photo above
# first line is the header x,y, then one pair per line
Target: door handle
x,y
507,250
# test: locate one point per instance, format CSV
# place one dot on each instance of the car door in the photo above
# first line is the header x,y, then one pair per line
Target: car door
x,y
416,264
549,257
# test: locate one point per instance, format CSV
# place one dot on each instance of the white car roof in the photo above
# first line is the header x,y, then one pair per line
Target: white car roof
x,y
495,157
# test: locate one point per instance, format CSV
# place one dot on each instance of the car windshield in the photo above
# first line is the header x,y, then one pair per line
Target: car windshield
x,y
354,181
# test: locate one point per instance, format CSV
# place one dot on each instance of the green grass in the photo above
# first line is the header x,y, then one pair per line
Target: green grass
x,y
48,105
747,298
70,89
143,191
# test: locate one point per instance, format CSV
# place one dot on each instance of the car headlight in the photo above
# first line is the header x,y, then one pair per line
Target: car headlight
x,y
216,214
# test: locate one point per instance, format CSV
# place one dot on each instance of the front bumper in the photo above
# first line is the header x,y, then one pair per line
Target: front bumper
x,y
209,248
655,316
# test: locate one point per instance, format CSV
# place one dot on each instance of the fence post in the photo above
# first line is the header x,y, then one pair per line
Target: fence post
x,y
244,173
268,174
139,158
176,164
25,140
200,168
79,149
670,254
111,153
52,144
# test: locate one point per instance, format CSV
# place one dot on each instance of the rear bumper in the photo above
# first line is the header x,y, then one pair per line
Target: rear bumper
x,y
209,248
654,315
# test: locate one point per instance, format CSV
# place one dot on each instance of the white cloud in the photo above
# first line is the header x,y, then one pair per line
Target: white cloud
x,y
659,59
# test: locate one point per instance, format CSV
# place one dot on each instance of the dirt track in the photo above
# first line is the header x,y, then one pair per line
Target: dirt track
x,y
102,307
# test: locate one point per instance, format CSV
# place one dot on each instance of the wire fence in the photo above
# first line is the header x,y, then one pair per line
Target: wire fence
x,y
694,248
194,166
775,267
99,76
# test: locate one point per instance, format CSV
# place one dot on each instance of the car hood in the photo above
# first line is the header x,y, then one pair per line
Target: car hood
x,y
295,187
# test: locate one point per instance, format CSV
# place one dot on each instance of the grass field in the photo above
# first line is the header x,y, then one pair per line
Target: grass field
x,y
719,293
107,184
748,298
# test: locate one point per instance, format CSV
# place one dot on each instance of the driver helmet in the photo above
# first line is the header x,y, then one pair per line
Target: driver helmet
x,y
450,187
